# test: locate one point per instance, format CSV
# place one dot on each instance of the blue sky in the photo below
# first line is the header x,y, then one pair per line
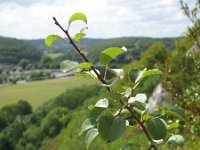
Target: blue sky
x,y
32,19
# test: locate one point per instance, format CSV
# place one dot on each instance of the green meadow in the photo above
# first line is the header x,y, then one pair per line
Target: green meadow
x,y
37,92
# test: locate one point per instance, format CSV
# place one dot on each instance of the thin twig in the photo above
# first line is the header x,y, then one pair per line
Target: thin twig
x,y
79,51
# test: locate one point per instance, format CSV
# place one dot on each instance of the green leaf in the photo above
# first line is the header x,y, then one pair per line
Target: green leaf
x,y
51,38
82,74
79,36
87,124
84,65
177,140
78,16
180,112
108,54
133,74
174,125
151,72
176,112
109,127
156,128
90,136
67,65
96,111
102,103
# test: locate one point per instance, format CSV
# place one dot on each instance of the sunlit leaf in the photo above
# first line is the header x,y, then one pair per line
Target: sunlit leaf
x,y
90,136
103,103
119,73
174,125
51,38
67,65
78,16
151,72
87,124
140,97
83,75
156,128
108,54
84,65
79,36
177,140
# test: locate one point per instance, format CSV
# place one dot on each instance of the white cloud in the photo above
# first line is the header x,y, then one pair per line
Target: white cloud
x,y
106,18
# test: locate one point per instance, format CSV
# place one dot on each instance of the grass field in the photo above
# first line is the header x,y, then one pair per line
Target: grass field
x,y
37,92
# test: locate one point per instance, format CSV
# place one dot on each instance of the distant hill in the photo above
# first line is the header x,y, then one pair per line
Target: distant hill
x,y
13,50
60,45
135,46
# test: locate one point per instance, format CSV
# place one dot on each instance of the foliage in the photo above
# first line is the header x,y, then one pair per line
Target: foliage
x,y
13,50
23,129
107,120
192,12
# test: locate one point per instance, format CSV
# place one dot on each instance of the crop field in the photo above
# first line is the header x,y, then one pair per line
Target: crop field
x,y
37,92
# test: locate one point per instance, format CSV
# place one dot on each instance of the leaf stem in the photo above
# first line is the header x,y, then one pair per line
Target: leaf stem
x,y
105,73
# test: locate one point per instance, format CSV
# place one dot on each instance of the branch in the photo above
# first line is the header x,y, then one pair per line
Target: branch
x,y
104,82
142,126
79,51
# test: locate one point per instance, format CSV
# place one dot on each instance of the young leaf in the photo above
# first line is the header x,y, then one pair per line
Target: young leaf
x,y
103,103
84,65
87,124
109,127
78,16
79,36
67,65
177,140
83,75
151,72
90,136
108,54
174,125
51,38
156,128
